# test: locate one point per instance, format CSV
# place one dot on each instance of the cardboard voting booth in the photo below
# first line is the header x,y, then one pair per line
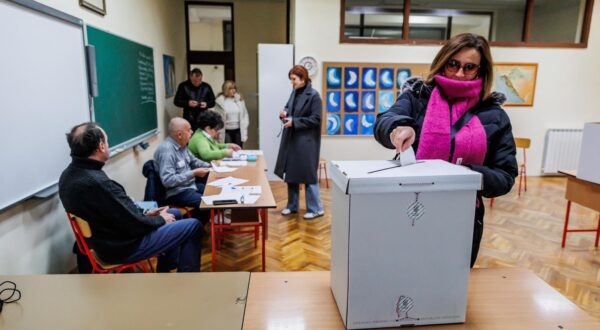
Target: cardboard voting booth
x,y
589,159
401,242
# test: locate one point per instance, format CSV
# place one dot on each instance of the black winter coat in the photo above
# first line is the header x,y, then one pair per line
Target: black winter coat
x,y
117,224
187,92
499,168
300,146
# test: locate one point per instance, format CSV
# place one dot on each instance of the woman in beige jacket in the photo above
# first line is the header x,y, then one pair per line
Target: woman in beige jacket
x,y
232,108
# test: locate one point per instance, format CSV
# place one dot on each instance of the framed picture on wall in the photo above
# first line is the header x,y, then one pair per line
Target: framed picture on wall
x,y
98,6
169,73
516,81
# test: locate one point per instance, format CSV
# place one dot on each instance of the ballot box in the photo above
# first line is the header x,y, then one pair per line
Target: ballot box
x,y
401,240
589,157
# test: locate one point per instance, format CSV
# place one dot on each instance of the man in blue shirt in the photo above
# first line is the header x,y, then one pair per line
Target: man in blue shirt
x,y
182,174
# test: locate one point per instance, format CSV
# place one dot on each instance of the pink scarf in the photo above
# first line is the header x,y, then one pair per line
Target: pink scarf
x,y
470,143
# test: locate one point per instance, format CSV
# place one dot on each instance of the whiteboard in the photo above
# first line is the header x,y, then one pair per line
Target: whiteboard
x,y
274,89
43,93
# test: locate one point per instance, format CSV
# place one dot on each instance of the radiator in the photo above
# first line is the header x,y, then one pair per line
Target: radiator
x,y
561,150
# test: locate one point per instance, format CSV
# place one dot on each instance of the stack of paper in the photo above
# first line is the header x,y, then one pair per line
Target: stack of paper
x,y
234,162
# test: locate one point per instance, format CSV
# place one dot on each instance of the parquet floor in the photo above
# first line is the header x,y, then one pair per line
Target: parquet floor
x,y
521,231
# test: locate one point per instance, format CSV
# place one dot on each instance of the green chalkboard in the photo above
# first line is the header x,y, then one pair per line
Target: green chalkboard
x,y
126,103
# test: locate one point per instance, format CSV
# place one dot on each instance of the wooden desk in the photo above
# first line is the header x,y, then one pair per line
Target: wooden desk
x,y
254,172
127,301
584,193
499,298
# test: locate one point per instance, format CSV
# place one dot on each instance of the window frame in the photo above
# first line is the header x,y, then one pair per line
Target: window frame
x,y
583,43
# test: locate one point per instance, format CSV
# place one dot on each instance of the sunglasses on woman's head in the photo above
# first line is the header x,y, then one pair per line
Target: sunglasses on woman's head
x,y
454,66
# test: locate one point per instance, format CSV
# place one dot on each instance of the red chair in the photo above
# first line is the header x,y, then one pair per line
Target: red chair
x,y
83,233
323,166
242,222
524,144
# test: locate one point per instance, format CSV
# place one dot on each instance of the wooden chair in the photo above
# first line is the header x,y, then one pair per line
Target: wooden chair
x,y
241,220
521,143
323,166
83,234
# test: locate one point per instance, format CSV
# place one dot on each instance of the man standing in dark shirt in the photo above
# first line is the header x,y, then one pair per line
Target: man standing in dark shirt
x,y
194,96
122,233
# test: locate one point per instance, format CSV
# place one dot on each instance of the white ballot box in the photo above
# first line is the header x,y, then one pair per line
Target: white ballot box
x,y
589,157
401,242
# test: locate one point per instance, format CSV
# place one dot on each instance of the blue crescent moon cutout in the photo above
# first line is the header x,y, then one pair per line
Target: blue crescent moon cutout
x,y
334,79
351,124
367,123
368,101
333,124
402,76
386,80
351,101
386,100
369,76
333,101
351,77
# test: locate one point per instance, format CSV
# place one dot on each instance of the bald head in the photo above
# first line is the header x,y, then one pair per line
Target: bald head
x,y
180,130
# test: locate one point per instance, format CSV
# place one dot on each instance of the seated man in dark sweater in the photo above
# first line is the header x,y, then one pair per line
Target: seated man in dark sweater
x,y
122,233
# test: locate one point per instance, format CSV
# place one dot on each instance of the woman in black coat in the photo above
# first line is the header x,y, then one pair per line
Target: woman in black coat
x,y
298,157
457,89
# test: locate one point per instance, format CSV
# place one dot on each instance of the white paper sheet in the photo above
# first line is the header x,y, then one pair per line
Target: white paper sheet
x,y
239,197
407,157
243,189
234,162
223,169
228,181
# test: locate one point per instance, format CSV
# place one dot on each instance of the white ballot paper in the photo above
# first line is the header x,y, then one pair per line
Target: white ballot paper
x,y
228,181
407,157
238,153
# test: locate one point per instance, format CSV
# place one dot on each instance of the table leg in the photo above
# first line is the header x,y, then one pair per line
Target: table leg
x,y
264,237
566,223
212,238
597,232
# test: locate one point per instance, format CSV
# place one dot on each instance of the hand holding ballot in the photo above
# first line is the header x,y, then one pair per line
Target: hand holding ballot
x,y
402,137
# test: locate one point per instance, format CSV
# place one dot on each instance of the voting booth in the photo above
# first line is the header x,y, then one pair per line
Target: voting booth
x,y
401,242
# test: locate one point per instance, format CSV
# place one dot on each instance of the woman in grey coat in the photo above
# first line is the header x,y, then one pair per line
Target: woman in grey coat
x,y
298,157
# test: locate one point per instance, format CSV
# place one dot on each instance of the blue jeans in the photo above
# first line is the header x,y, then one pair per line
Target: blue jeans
x,y
191,198
313,197
177,245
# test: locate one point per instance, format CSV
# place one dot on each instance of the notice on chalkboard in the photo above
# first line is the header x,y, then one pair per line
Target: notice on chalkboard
x,y
146,77
126,103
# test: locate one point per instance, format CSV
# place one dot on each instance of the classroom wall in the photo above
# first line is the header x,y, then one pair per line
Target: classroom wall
x,y
35,237
567,80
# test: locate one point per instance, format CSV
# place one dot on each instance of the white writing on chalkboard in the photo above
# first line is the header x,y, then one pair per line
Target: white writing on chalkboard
x,y
146,78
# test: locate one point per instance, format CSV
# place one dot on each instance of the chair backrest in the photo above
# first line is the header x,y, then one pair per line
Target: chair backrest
x,y
522,142
83,232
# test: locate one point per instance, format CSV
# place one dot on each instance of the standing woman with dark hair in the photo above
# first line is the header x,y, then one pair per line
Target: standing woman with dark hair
x,y
298,157
458,87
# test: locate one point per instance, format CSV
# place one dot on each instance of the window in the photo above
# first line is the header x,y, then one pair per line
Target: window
x,y
531,23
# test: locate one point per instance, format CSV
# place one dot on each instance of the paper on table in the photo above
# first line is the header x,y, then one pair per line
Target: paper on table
x,y
407,157
223,169
243,189
228,181
239,197
234,162
247,152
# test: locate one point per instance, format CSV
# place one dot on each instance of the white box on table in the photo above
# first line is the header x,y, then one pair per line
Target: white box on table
x,y
401,242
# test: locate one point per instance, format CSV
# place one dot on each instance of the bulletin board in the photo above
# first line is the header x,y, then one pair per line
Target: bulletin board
x,y
354,93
